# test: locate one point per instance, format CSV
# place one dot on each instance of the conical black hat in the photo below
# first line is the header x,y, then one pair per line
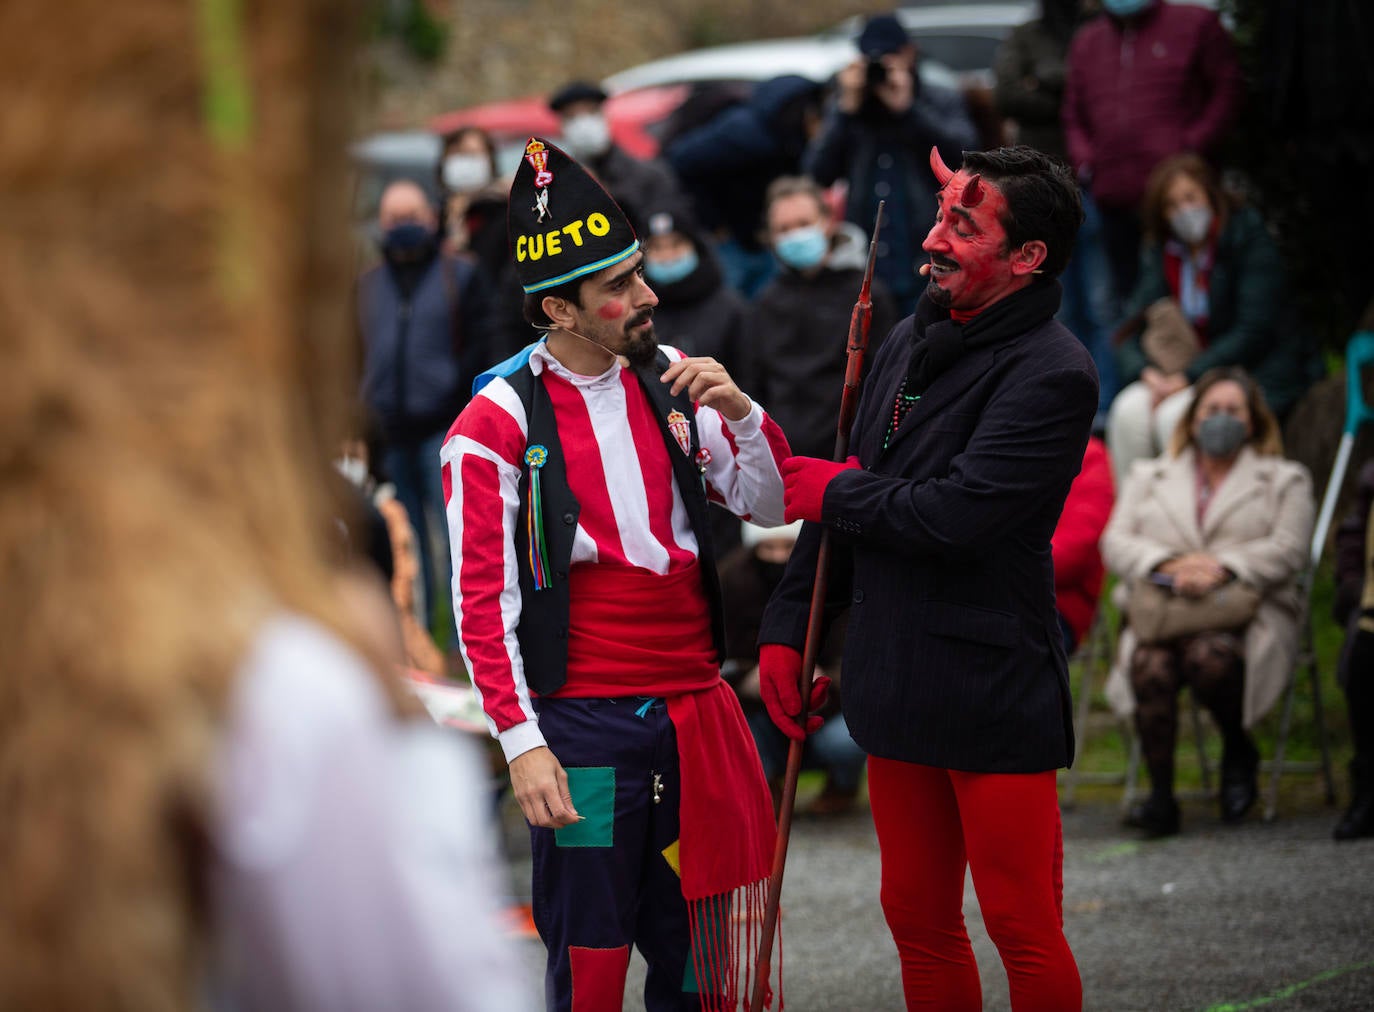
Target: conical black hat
x,y
563,224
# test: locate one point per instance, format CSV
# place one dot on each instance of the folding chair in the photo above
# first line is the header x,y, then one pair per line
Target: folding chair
x,y
1094,654
1274,767
1359,354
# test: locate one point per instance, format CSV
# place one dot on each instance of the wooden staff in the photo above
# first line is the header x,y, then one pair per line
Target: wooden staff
x,y
849,401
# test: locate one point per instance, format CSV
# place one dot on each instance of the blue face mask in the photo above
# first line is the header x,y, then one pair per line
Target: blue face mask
x,y
670,272
1125,8
802,248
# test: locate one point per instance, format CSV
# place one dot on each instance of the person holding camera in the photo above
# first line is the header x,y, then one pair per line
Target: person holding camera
x,y
877,136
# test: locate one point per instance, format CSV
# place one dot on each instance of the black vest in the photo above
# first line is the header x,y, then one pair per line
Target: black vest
x,y
543,628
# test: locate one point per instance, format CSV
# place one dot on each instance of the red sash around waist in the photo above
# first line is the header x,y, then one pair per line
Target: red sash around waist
x,y
632,632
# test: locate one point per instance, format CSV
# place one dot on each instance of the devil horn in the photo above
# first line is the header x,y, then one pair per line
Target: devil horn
x,y
972,194
943,173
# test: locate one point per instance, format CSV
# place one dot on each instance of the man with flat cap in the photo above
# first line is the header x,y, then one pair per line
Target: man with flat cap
x,y
638,185
589,615
875,136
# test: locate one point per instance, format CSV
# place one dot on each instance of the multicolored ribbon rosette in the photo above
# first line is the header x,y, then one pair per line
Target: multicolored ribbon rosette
x,y
536,456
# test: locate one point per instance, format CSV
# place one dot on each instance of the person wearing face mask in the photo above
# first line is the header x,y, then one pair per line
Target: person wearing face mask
x,y
1212,292
697,312
727,163
800,320
423,318
474,198
1147,79
634,183
1224,507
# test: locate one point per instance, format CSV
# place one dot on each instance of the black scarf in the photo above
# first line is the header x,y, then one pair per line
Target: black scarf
x,y
937,341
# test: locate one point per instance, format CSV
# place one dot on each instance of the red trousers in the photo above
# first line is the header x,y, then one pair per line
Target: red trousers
x,y
932,824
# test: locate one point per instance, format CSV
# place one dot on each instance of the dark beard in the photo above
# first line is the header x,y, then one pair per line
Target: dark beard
x,y
939,296
640,349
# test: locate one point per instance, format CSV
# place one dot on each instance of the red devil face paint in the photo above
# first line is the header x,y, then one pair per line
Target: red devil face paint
x,y
969,265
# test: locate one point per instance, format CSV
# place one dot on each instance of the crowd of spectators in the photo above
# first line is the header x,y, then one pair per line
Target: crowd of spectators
x,y
756,219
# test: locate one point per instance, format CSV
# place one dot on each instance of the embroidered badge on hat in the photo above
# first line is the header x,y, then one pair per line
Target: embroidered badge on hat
x,y
538,156
682,432
563,224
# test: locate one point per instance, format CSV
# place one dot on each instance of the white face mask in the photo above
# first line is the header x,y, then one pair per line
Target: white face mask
x,y
464,173
352,468
1191,223
587,135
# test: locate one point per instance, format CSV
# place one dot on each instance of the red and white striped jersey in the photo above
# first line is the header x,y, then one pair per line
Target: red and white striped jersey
x,y
632,513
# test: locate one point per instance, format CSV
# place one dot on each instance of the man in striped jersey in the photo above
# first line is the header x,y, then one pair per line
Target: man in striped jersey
x,y
577,484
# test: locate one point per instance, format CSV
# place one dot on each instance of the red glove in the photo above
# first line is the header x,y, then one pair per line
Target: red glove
x,y
803,485
780,685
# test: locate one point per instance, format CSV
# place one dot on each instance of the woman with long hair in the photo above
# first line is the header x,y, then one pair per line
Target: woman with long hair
x,y
1212,292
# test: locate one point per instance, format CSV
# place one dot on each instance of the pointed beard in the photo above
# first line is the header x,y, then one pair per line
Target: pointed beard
x,y
641,346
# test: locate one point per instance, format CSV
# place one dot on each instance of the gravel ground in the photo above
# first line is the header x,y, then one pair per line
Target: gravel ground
x,y
1272,915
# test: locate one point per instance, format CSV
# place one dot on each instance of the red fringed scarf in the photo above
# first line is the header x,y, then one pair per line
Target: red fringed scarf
x,y
634,632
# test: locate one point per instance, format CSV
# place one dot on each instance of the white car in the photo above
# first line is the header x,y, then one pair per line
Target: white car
x,y
812,56
958,43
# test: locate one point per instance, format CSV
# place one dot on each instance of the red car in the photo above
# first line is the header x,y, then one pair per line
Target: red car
x,y
633,117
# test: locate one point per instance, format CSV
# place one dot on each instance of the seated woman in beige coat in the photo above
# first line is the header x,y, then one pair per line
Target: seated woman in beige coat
x,y
1223,505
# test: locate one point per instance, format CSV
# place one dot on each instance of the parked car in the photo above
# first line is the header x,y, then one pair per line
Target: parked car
x,y
643,97
958,41
631,115
818,57
381,158
963,37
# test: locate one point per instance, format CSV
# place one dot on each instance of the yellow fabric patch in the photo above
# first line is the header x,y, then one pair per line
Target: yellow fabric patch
x,y
670,855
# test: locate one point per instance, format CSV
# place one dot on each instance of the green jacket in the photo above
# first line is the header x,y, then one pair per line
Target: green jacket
x,y
1251,322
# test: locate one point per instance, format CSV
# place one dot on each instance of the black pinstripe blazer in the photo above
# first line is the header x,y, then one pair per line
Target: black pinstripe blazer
x,y
941,554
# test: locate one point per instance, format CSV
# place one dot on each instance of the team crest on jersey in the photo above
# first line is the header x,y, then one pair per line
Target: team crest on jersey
x,y
682,432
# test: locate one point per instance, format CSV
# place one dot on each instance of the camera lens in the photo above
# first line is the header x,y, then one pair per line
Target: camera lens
x,y
875,72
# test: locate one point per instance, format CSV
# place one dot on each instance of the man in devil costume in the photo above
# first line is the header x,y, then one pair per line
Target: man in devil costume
x,y
589,616
970,430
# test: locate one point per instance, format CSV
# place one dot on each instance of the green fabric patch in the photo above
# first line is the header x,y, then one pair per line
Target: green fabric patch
x,y
593,795
711,927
